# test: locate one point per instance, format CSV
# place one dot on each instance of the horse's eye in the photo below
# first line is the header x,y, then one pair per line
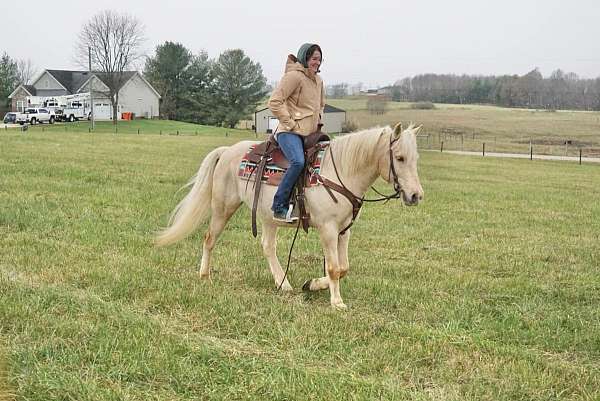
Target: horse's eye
x,y
400,159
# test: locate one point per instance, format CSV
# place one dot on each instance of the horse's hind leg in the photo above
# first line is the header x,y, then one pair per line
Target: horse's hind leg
x,y
222,208
322,283
269,245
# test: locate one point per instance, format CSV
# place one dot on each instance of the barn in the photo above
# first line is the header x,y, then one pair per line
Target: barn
x,y
333,119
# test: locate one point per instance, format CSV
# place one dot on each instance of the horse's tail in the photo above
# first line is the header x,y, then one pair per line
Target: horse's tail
x,y
194,209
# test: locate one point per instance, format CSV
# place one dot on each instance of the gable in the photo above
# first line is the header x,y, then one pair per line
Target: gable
x,y
98,84
138,85
47,82
22,91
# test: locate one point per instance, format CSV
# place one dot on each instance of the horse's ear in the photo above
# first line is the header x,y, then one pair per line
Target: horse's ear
x,y
397,130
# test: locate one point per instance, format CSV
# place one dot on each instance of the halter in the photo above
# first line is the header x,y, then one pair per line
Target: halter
x,y
357,201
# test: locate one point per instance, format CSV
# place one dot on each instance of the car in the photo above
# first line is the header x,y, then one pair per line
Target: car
x,y
11,117
34,115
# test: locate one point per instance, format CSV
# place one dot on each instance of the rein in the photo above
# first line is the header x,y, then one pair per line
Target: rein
x,y
357,201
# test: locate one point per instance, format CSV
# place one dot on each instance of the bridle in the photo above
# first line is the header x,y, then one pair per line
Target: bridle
x,y
357,201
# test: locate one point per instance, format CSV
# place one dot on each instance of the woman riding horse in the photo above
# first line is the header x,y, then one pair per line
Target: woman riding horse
x,y
298,103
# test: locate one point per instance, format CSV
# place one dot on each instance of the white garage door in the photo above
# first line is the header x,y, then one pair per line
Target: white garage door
x,y
102,111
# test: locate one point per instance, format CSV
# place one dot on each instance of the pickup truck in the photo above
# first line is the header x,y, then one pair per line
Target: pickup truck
x,y
33,115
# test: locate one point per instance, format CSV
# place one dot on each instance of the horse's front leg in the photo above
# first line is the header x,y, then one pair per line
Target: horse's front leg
x,y
269,245
329,239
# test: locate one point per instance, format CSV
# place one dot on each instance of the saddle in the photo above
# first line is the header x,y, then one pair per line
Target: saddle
x,y
270,152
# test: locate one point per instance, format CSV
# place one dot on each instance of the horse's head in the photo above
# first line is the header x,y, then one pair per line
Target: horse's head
x,y
398,165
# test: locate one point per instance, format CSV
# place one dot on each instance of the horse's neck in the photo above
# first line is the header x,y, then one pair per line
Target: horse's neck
x,y
358,178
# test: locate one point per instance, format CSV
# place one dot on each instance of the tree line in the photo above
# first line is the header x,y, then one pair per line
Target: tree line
x,y
558,91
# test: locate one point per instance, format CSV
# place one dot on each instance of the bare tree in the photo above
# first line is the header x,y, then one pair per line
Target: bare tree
x,y
115,41
25,71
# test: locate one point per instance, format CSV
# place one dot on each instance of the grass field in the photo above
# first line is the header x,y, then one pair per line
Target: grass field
x,y
466,127
489,290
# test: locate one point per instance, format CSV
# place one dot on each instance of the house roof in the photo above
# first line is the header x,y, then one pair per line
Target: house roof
x,y
328,109
73,80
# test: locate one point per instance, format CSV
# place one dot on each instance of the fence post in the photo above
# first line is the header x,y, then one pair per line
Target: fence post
x,y
580,156
530,152
160,132
484,149
138,131
442,146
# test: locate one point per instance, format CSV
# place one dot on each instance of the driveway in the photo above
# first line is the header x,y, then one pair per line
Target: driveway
x,y
523,156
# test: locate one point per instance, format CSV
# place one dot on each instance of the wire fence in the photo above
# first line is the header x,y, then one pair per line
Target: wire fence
x,y
488,144
125,128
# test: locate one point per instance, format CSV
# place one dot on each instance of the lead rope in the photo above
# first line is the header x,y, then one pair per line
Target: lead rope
x,y
290,255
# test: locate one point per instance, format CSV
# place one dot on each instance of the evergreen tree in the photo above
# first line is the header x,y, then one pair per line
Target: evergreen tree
x,y
239,86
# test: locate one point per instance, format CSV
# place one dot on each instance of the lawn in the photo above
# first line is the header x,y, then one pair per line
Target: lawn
x,y
488,290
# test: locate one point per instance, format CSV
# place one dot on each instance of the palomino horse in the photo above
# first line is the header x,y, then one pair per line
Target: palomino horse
x,y
359,158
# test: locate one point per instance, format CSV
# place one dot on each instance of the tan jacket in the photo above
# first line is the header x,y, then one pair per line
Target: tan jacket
x,y
298,100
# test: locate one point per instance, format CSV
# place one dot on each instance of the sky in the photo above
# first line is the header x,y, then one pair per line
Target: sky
x,y
374,42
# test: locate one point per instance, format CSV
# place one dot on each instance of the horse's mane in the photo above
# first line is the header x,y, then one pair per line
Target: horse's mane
x,y
357,149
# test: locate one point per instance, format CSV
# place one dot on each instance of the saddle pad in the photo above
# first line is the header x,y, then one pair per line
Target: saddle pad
x,y
273,174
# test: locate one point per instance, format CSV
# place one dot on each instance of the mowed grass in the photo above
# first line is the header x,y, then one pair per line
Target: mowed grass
x,y
487,290
467,127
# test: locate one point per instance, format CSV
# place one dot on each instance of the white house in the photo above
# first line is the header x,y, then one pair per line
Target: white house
x,y
136,95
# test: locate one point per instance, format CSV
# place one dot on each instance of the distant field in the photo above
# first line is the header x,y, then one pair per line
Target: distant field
x,y
466,127
489,290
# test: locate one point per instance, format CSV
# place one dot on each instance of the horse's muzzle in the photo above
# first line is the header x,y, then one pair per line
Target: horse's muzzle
x,y
412,199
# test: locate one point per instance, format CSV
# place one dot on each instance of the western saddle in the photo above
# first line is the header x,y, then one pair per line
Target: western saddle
x,y
269,151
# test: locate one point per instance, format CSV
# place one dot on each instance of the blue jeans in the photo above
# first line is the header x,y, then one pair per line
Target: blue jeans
x,y
292,146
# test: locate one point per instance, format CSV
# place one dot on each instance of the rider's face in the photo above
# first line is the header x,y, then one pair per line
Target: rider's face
x,y
314,61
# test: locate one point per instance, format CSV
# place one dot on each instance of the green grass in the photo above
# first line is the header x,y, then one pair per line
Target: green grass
x,y
489,290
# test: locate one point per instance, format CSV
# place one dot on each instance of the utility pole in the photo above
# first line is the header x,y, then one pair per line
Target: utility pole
x,y
93,118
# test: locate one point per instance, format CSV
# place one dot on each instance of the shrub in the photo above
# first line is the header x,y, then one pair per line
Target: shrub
x,y
350,125
422,106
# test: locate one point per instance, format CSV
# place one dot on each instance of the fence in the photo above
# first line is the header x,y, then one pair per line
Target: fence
x,y
123,129
487,144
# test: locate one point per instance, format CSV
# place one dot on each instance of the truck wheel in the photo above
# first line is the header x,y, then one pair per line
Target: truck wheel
x,y
71,118
51,120
33,121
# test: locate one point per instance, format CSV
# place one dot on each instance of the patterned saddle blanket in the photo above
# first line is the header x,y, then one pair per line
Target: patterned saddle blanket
x,y
277,166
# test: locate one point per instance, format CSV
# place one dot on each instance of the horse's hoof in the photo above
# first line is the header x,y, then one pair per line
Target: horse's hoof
x,y
306,285
205,277
340,306
286,287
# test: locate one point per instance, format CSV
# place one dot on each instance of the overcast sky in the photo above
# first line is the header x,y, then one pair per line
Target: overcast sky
x,y
372,41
